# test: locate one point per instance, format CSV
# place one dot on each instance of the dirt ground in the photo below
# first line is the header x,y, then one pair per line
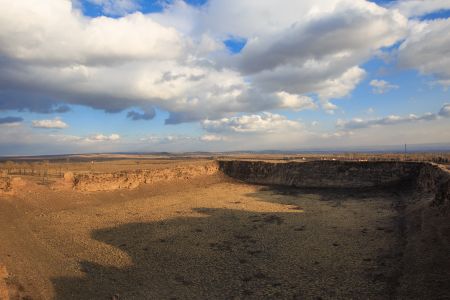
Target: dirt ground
x,y
208,238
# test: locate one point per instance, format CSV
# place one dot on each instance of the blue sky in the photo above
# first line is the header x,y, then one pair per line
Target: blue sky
x,y
95,9
223,75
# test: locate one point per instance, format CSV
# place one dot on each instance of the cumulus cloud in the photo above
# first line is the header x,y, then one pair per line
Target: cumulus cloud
x,y
260,123
55,123
320,52
175,59
426,49
359,123
414,8
10,120
296,102
381,86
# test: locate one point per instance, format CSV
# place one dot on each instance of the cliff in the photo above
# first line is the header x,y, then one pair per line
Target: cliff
x,y
132,179
322,174
427,177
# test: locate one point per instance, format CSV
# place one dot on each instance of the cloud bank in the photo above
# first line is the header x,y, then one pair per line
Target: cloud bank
x,y
393,120
175,59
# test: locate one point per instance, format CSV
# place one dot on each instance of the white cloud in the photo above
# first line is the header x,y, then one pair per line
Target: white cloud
x,y
426,49
329,107
211,138
296,102
382,86
341,86
176,139
262,123
414,8
86,140
338,134
320,52
67,138
55,123
175,60
41,37
103,138
167,139
359,123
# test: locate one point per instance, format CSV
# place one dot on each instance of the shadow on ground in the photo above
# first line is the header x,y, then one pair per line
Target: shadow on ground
x,y
341,247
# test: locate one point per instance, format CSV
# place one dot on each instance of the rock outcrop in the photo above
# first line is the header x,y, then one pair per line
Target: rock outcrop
x,y
132,179
427,177
322,174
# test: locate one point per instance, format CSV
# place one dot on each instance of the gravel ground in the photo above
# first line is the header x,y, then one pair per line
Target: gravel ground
x,y
211,238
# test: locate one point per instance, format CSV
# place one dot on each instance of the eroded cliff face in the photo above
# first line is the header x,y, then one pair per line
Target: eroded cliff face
x,y
427,177
322,174
132,179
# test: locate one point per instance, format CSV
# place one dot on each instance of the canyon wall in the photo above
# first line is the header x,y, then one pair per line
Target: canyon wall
x,y
427,177
322,174
132,179
343,174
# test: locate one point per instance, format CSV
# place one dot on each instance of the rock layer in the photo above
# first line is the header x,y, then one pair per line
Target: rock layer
x,y
342,174
132,179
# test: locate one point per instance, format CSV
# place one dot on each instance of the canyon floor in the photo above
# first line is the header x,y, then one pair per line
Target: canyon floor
x,y
210,237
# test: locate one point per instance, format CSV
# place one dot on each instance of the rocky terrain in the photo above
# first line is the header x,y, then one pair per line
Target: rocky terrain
x,y
423,216
331,174
132,179
228,229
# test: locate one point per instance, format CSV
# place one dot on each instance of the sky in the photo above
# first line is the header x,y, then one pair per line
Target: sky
x,y
85,76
